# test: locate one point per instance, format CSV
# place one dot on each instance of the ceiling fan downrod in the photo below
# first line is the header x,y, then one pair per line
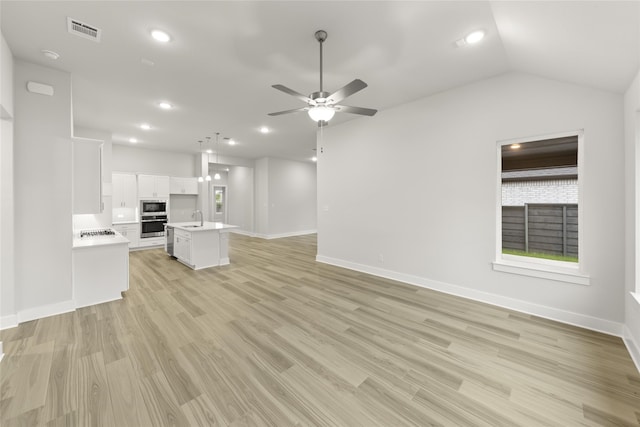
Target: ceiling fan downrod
x,y
321,36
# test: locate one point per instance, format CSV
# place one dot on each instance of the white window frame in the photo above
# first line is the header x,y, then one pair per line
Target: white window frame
x,y
561,271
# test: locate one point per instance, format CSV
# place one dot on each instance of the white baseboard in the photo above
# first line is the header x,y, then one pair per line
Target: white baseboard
x,y
243,232
290,234
46,311
632,346
10,321
568,317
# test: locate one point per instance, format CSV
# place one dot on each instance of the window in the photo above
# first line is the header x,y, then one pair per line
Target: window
x,y
539,212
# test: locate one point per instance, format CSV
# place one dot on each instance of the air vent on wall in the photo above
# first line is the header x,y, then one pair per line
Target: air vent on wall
x,y
81,29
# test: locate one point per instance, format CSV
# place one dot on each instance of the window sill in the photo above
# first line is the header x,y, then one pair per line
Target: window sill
x,y
543,269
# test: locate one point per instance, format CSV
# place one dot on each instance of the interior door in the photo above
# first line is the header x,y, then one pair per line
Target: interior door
x,y
219,201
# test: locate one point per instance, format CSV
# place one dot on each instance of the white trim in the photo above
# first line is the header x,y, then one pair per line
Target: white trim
x,y
1,352
290,234
46,311
243,232
101,302
632,346
558,272
10,321
636,296
564,316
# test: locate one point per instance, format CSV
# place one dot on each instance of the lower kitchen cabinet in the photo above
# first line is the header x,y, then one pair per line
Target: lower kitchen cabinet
x,y
182,246
151,241
131,232
100,272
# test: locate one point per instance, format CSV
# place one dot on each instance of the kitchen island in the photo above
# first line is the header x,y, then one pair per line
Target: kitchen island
x,y
199,245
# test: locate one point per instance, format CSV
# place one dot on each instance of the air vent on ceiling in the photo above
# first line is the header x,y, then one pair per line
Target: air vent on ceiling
x,y
81,29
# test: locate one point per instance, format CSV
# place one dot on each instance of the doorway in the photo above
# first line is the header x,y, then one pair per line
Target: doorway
x,y
219,203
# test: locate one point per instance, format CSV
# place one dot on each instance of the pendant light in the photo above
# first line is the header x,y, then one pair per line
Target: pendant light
x,y
208,177
216,176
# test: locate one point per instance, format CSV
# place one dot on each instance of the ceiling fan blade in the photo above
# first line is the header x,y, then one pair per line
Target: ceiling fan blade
x,y
292,93
355,110
348,90
295,110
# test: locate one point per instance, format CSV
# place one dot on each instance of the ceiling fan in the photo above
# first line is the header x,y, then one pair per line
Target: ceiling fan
x,y
322,105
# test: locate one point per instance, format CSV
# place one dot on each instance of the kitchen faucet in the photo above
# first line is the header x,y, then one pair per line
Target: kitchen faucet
x,y
195,215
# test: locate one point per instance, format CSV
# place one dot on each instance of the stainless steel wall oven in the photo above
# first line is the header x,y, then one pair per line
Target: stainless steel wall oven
x,y
153,217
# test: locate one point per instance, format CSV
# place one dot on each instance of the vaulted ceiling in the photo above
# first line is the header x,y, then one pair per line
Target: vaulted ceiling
x,y
218,69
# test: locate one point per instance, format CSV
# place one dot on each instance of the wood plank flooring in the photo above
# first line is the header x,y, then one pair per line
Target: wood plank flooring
x,y
276,339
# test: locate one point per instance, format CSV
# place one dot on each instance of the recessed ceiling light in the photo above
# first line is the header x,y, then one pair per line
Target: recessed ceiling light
x,y
474,37
515,146
160,36
264,129
145,126
50,54
165,105
133,140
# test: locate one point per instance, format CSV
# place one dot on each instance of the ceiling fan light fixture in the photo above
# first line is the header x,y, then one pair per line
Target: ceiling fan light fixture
x,y
160,36
321,112
474,37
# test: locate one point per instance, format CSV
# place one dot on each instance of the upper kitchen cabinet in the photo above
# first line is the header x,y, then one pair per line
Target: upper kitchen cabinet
x,y
183,185
87,176
124,191
153,186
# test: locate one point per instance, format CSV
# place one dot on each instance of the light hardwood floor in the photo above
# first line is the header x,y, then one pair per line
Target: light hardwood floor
x,y
278,339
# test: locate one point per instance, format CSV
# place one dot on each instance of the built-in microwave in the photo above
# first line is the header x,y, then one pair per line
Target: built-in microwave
x,y
153,207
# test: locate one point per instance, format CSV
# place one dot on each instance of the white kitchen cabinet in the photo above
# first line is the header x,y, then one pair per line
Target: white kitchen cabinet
x,y
153,187
100,271
87,176
183,185
147,242
182,246
125,194
131,232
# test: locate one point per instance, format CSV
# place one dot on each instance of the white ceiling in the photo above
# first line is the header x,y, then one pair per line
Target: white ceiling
x,y
224,57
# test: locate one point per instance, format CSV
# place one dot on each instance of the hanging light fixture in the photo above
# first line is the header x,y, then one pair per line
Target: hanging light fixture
x,y
321,113
216,176
208,177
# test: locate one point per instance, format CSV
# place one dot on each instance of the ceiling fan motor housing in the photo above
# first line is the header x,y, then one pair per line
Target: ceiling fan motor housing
x,y
320,95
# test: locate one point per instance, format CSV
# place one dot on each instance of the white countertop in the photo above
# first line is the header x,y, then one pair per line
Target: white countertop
x,y
89,242
208,226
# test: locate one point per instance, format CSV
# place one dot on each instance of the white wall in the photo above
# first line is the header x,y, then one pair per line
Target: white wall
x,y
240,198
411,193
43,204
262,196
152,162
292,197
285,194
7,272
632,217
